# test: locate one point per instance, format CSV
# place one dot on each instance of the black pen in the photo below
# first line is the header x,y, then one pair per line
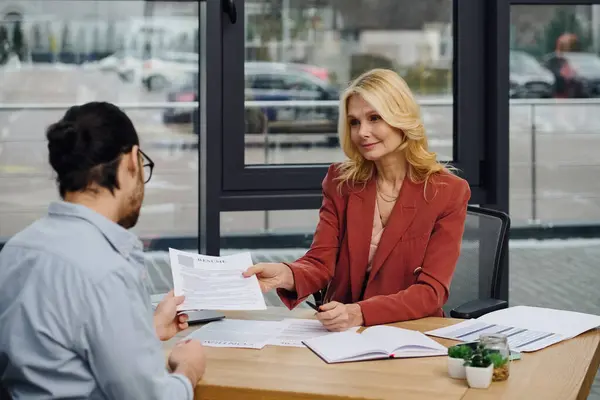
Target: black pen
x,y
313,306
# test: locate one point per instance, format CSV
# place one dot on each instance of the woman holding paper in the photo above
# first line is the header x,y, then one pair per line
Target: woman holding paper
x,y
391,222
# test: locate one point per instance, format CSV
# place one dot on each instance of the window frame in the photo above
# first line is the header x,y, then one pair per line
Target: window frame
x,y
238,177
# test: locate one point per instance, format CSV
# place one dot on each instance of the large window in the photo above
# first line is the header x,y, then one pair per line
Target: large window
x,y
302,53
286,62
142,56
554,123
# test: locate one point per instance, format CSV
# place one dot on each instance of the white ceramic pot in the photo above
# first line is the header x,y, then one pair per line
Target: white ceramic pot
x,y
456,368
479,378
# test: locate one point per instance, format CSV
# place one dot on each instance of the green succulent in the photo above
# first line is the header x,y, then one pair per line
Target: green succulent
x,y
481,357
460,351
497,359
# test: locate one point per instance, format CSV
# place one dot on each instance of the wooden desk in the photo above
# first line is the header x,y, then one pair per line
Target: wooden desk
x,y
564,371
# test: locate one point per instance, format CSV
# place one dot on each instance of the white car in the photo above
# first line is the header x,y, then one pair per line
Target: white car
x,y
129,67
166,69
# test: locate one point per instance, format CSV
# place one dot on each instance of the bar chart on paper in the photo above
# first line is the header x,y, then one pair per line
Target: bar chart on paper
x,y
526,328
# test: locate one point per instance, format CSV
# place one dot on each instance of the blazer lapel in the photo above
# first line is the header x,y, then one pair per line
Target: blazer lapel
x,y
402,215
360,211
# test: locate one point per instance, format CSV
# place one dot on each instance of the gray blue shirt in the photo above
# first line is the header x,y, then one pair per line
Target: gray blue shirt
x,y
76,319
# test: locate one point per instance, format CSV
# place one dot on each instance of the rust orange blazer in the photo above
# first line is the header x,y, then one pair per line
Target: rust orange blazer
x,y
413,265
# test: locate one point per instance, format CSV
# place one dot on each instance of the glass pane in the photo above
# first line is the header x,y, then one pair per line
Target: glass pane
x,y
554,159
299,52
130,53
271,222
554,119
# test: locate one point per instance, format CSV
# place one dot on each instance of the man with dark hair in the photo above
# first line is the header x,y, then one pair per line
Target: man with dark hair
x,y
75,313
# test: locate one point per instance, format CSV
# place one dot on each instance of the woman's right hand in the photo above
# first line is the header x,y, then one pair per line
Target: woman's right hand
x,y
272,276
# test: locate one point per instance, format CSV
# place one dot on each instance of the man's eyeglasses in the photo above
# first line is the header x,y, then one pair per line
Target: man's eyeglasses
x,y
148,165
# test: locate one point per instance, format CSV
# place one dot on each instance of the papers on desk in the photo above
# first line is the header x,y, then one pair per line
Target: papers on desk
x,y
215,283
374,343
527,328
296,330
237,333
257,334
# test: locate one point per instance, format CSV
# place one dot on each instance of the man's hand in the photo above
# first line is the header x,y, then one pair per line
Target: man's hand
x,y
338,317
166,321
188,358
272,276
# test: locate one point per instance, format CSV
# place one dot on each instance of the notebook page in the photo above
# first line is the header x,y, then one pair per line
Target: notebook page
x,y
344,345
397,340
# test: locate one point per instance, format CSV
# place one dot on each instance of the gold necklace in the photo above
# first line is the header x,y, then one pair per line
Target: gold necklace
x,y
383,195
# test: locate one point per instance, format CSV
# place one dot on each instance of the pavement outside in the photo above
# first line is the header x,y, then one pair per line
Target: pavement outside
x,y
554,274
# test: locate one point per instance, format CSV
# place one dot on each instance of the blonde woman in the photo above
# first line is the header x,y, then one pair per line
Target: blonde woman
x,y
391,222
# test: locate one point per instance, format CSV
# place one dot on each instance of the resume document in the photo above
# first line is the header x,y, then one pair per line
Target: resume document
x,y
215,283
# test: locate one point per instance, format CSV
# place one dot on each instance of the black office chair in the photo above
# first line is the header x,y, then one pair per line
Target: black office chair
x,y
476,283
475,286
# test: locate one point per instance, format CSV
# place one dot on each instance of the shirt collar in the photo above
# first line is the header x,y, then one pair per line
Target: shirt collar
x,y
120,238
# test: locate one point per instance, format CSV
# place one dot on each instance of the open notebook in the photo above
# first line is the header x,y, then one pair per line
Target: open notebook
x,y
374,343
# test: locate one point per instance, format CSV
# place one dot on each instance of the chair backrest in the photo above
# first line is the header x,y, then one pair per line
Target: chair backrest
x,y
479,268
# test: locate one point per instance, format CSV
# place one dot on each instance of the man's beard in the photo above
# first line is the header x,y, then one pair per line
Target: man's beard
x,y
134,206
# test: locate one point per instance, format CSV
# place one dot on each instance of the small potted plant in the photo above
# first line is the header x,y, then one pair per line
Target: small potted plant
x,y
457,355
479,368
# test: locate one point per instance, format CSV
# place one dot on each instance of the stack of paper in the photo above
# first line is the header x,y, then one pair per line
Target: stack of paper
x,y
237,333
527,328
257,334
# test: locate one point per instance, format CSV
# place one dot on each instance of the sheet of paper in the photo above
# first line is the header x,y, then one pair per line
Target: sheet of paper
x,y
527,328
297,330
215,283
238,333
565,323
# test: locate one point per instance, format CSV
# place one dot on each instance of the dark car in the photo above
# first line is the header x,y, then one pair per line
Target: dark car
x,y
577,74
255,120
528,78
186,91
269,82
287,82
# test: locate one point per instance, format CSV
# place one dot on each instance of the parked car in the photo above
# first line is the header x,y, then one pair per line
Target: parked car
x,y
528,78
267,82
255,120
577,74
284,82
166,69
186,91
129,67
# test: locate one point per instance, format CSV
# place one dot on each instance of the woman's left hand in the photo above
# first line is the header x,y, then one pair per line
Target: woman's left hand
x,y
337,317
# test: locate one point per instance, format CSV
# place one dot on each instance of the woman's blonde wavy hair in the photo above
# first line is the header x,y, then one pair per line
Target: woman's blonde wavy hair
x,y
393,100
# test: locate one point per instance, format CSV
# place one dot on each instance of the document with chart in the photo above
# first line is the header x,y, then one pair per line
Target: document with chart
x,y
527,328
215,283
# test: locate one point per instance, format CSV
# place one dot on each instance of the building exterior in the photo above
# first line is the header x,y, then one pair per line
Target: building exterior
x,y
81,30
